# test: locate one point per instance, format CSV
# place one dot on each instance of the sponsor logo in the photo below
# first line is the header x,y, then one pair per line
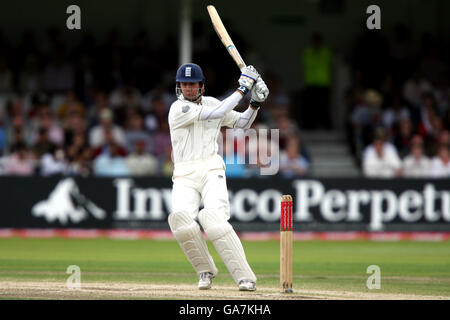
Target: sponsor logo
x,y
65,203
313,204
185,109
383,206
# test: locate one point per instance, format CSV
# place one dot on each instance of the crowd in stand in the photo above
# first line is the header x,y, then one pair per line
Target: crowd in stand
x,y
101,108
89,109
399,117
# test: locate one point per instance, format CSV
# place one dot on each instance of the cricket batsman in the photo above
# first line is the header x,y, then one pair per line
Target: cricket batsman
x,y
195,121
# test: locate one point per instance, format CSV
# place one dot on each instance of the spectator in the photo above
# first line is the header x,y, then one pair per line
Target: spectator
x,y
100,103
364,118
15,107
394,113
108,144
369,112
16,132
287,128
44,121
157,115
43,144
428,113
264,160
79,156
135,132
162,141
380,159
77,145
111,163
53,163
70,105
440,164
74,125
140,162
317,61
124,99
158,93
292,163
402,138
416,164
275,112
97,133
278,100
21,162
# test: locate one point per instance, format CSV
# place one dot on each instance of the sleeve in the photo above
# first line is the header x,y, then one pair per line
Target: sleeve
x,y
184,114
221,108
246,118
231,118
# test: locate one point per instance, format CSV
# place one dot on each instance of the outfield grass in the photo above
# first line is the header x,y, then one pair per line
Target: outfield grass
x,y
421,268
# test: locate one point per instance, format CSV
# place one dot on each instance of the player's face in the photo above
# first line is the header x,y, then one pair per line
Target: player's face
x,y
190,90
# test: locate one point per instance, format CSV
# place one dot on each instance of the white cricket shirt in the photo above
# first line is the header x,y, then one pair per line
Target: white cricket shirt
x,y
194,139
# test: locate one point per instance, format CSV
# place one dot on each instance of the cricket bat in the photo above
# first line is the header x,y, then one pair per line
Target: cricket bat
x,y
225,37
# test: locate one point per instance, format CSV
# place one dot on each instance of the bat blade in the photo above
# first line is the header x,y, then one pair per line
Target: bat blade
x,y
225,37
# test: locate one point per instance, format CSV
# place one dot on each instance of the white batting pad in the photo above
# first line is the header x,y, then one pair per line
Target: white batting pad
x,y
227,244
188,234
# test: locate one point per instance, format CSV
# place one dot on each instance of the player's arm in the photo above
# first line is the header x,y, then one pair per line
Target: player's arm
x,y
260,92
248,78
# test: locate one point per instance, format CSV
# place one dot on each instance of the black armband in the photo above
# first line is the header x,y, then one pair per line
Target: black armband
x,y
255,103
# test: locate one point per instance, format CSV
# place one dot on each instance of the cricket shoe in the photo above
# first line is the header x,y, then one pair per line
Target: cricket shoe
x,y
205,281
247,285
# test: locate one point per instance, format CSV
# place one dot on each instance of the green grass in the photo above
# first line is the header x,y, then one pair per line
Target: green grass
x,y
406,267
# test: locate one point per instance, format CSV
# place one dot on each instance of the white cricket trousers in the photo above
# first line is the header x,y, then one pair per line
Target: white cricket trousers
x,y
200,180
194,183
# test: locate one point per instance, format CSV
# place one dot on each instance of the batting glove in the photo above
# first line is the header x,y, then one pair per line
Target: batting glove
x,y
247,79
260,92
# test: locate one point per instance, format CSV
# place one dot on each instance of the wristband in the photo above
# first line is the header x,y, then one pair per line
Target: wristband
x,y
255,103
243,89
